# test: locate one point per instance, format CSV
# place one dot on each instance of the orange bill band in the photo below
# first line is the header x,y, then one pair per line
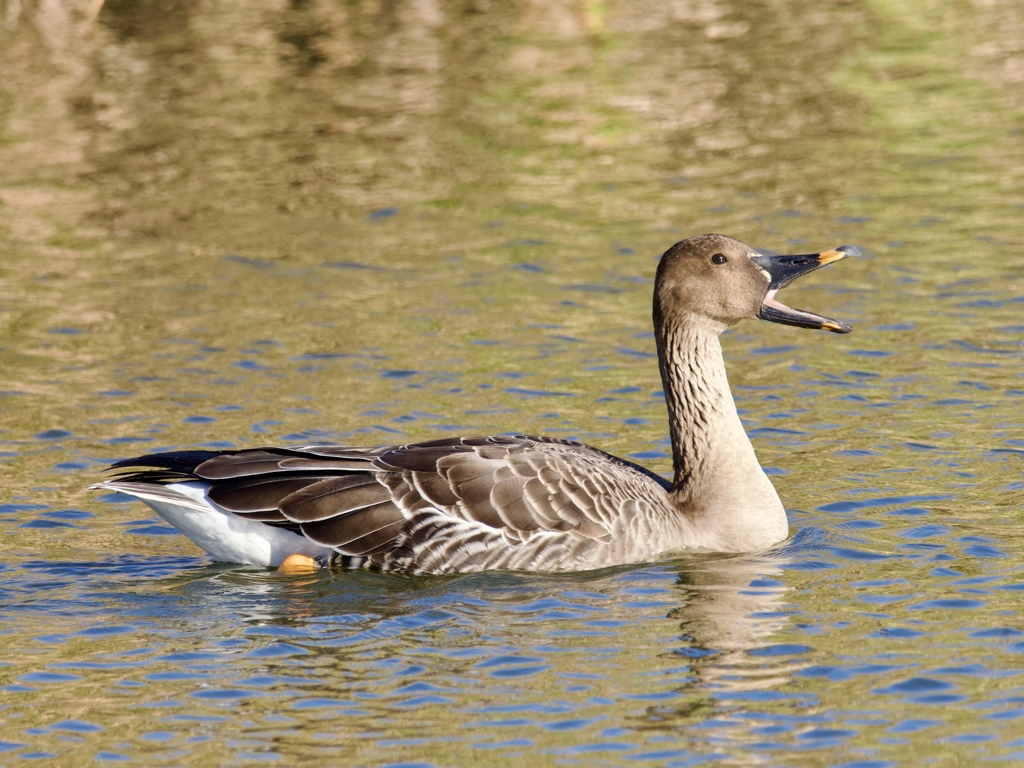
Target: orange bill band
x,y
827,257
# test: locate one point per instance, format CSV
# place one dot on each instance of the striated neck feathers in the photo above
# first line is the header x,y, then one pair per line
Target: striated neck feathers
x,y
698,397
718,483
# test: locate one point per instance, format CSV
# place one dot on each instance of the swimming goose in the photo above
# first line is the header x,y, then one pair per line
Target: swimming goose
x,y
514,502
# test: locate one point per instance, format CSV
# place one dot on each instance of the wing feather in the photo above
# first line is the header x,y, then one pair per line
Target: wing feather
x,y
375,542
258,493
434,489
333,497
342,529
259,461
425,506
420,457
507,498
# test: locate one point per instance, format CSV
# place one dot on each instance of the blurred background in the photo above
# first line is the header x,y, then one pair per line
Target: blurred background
x,y
225,224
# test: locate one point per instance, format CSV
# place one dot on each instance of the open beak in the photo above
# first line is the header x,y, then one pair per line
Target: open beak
x,y
783,270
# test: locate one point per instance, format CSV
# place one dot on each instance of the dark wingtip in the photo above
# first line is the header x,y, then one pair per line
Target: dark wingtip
x,y
177,461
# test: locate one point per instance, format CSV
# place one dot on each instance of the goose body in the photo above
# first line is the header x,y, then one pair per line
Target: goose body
x,y
514,502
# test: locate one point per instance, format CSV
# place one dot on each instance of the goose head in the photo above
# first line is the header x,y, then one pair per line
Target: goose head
x,y
718,280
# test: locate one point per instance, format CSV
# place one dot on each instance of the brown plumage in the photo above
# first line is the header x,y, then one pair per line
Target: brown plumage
x,y
516,502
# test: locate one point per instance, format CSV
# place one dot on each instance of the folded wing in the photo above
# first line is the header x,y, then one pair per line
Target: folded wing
x,y
368,502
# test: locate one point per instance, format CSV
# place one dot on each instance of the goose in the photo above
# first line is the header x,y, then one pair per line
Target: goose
x,y
524,503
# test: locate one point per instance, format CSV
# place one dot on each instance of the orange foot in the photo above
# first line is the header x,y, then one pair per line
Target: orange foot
x,y
298,564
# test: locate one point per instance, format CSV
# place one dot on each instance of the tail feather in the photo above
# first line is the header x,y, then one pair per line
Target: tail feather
x,y
222,534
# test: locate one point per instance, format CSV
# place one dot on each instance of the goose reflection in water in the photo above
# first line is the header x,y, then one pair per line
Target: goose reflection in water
x,y
731,611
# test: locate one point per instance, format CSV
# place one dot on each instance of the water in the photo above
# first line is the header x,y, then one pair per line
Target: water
x,y
225,226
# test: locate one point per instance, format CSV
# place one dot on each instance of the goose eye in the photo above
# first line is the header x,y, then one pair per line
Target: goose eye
x,y
718,258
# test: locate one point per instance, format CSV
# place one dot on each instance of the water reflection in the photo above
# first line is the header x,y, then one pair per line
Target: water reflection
x,y
467,651
723,605
730,607
725,608
375,105
229,225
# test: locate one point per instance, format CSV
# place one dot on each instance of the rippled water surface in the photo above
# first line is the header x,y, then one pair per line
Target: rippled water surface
x,y
224,225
